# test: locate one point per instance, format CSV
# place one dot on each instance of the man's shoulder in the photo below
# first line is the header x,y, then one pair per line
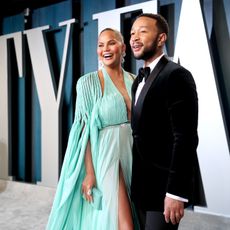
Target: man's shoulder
x,y
173,66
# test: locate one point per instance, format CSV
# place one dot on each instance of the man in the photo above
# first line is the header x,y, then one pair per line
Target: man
x,y
164,123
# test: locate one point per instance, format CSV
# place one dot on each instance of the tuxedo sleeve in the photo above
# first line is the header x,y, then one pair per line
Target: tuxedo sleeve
x,y
183,113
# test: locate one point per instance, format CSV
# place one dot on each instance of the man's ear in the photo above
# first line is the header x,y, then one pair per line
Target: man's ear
x,y
162,39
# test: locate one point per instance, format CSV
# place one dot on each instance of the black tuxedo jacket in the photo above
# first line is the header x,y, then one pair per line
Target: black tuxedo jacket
x,y
164,124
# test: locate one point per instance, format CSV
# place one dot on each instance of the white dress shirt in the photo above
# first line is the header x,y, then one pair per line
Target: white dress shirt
x,y
142,83
139,88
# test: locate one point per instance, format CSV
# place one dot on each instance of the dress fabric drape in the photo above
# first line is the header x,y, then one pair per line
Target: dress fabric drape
x,y
102,118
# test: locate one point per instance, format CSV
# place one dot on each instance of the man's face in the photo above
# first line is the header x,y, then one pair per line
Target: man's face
x,y
144,38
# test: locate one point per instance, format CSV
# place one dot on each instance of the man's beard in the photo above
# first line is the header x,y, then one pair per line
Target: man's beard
x,y
148,52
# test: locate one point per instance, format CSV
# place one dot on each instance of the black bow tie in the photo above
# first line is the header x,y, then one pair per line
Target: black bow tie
x,y
143,73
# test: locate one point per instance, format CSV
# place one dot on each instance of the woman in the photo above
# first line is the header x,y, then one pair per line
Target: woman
x,y
98,157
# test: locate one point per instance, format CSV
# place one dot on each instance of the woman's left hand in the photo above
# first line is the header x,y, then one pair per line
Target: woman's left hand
x,y
87,185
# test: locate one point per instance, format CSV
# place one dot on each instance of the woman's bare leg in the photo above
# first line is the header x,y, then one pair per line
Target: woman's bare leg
x,y
125,221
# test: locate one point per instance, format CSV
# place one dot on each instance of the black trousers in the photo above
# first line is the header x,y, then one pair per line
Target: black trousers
x,y
152,220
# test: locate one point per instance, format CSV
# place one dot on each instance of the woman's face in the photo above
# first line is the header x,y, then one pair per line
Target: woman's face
x,y
110,48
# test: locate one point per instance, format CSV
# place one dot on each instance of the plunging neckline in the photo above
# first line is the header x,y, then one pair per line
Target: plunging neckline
x,y
106,76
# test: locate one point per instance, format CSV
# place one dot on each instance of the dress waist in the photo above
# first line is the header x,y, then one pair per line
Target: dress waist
x,y
123,124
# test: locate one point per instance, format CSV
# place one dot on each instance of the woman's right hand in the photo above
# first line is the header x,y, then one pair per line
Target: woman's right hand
x,y
87,185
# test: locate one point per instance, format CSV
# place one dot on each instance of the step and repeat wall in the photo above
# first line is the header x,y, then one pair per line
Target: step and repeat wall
x,y
45,49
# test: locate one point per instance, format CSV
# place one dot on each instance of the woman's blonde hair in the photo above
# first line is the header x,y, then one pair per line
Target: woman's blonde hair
x,y
117,33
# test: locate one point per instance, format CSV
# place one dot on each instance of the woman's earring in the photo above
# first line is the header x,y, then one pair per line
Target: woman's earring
x,y
123,58
101,64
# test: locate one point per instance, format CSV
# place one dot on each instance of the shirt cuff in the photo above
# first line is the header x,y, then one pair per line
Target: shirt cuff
x,y
176,197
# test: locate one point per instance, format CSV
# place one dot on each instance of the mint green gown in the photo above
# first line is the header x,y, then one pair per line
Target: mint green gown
x,y
103,119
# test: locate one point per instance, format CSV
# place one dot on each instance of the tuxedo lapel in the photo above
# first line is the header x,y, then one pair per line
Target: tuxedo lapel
x,y
139,104
134,89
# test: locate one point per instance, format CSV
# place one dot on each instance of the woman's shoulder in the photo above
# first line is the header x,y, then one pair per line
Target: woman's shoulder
x,y
89,84
88,80
88,77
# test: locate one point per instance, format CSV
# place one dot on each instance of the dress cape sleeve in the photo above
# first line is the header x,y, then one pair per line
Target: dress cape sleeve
x,y
68,191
